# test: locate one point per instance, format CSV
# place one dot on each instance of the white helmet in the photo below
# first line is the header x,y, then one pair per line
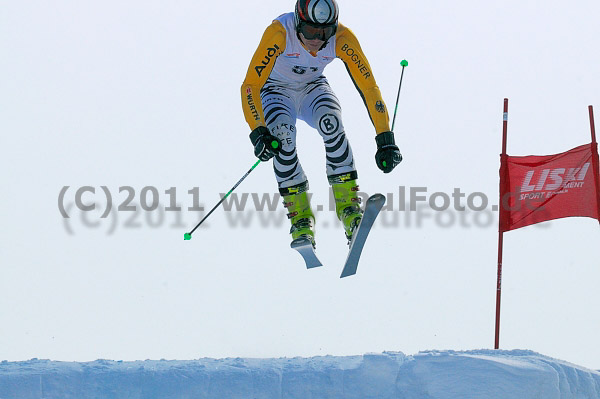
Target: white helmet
x,y
316,19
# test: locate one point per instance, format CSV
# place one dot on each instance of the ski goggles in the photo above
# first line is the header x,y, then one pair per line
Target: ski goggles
x,y
312,32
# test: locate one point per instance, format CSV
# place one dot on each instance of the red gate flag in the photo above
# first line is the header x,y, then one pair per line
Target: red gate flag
x,y
535,189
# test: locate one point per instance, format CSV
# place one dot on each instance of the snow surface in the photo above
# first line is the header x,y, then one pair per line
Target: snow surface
x,y
427,375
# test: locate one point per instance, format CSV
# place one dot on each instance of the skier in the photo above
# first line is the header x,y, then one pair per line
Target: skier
x,y
285,81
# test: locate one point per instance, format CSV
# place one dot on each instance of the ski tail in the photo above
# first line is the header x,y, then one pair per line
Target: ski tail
x,y
307,251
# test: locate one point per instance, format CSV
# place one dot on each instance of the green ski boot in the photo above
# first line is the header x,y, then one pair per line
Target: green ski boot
x,y
347,202
296,200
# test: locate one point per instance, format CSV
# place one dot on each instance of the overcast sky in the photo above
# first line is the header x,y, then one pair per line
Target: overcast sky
x,y
146,94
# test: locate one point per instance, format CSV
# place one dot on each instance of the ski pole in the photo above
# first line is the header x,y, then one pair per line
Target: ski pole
x,y
188,236
404,63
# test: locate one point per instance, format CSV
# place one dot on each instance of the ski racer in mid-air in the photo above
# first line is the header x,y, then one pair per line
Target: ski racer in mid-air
x,y
284,82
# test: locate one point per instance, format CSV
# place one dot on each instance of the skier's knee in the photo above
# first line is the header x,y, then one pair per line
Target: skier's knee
x,y
329,123
286,132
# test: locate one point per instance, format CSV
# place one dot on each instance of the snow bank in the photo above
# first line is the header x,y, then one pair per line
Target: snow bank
x,y
427,375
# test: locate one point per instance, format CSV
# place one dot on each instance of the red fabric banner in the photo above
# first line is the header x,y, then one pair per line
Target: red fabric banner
x,y
535,189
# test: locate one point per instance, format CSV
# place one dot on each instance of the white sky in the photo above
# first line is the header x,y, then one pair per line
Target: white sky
x,y
146,93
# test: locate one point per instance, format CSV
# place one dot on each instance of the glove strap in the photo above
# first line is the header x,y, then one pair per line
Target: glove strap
x,y
384,139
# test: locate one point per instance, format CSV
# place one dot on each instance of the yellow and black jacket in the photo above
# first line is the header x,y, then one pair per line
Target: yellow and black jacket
x,y
282,57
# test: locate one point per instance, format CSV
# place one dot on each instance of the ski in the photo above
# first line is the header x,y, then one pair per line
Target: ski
x,y
372,208
305,248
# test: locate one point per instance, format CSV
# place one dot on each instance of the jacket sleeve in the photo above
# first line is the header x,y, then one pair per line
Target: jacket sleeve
x,y
349,51
271,46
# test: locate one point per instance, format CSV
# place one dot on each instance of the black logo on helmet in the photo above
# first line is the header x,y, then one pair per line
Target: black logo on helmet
x,y
379,106
319,11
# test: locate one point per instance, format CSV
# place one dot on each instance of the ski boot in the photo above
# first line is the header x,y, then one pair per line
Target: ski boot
x,y
347,202
295,199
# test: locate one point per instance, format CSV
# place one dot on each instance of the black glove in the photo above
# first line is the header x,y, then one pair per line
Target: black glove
x,y
265,144
388,155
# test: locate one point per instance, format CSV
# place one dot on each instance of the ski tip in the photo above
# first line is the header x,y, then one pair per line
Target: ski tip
x,y
344,274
